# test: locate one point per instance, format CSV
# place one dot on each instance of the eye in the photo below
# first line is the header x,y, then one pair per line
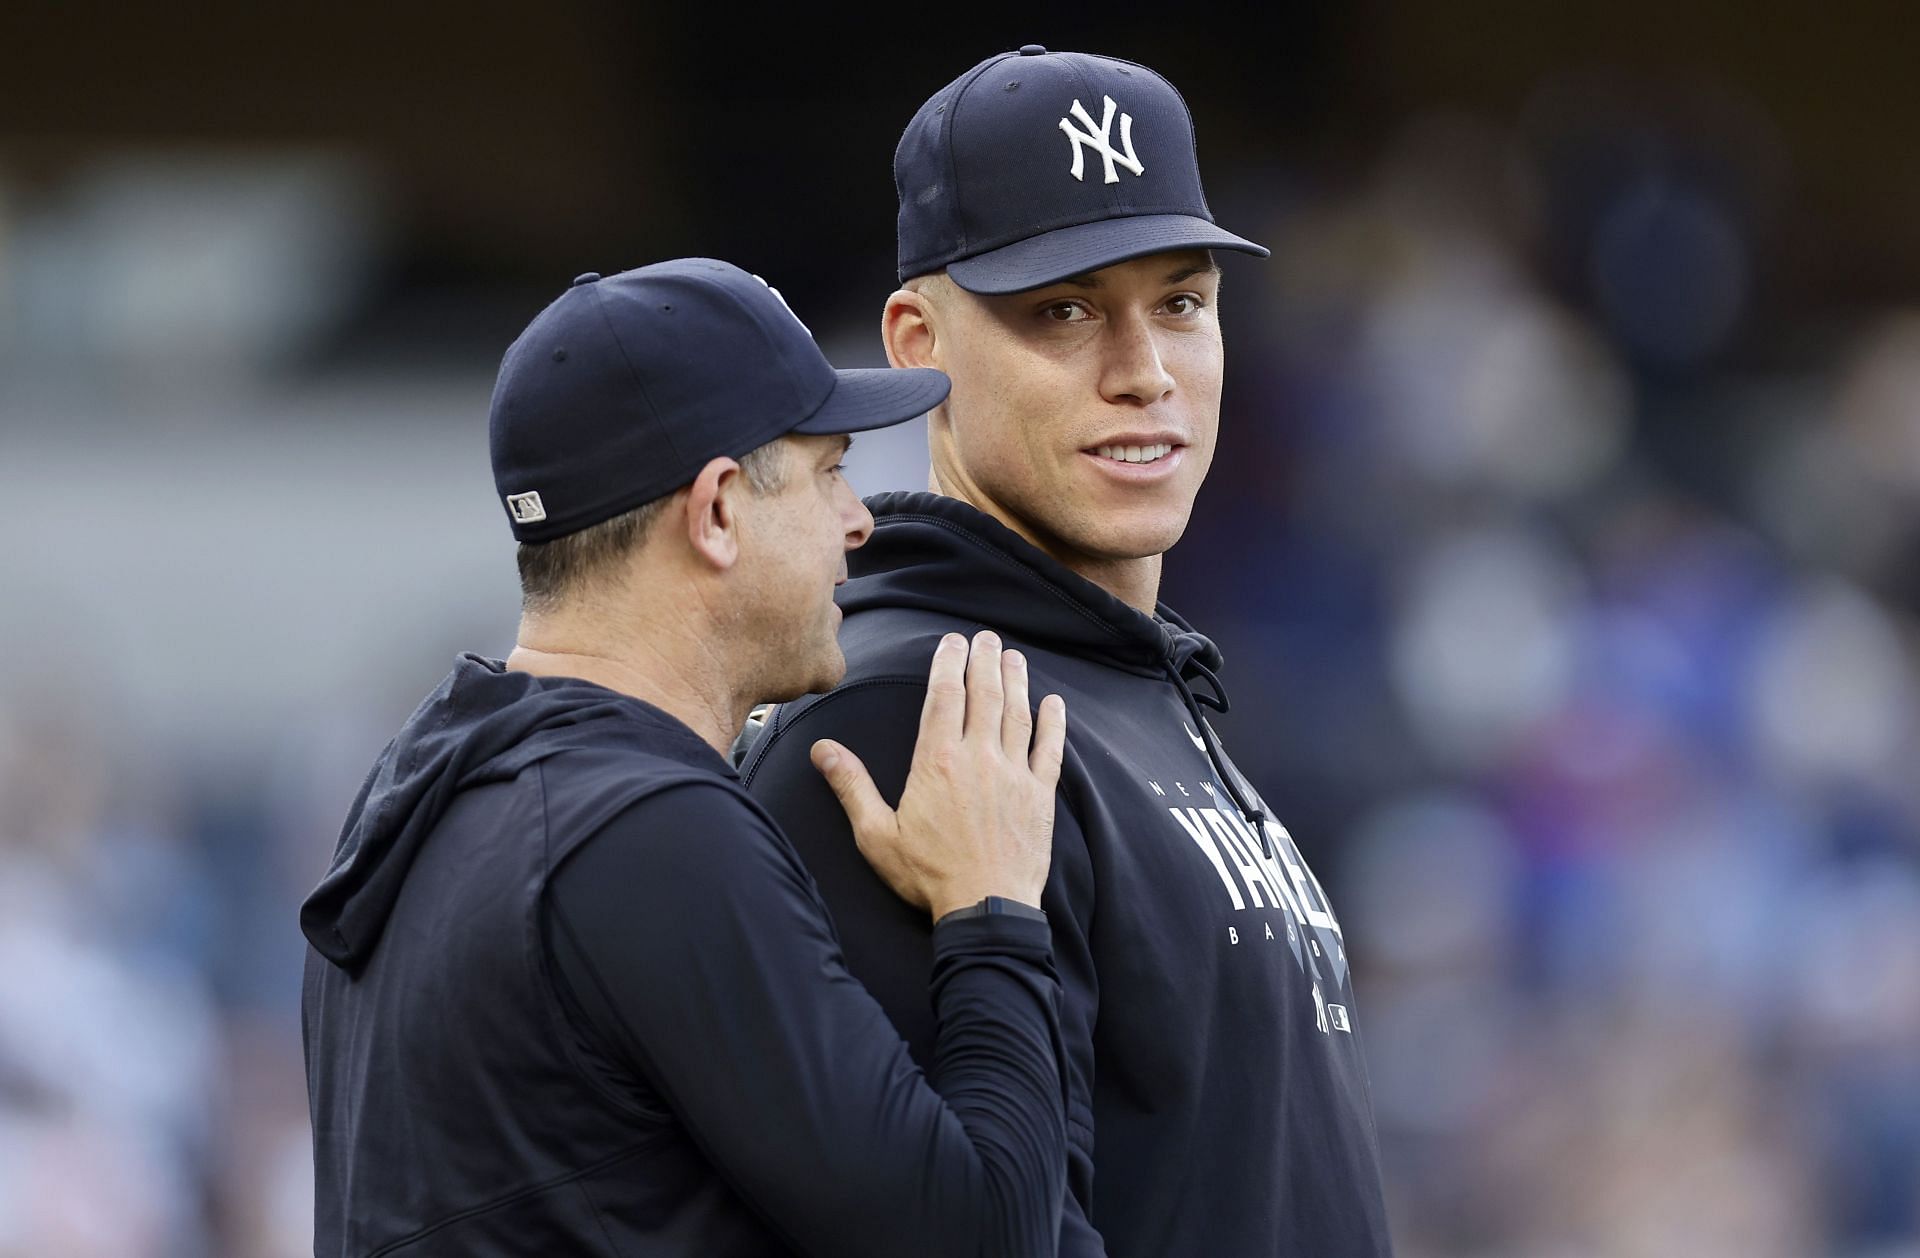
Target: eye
x,y
1066,312
838,469
1184,304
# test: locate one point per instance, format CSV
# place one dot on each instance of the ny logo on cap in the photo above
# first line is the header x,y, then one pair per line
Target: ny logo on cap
x,y
526,508
1101,141
783,301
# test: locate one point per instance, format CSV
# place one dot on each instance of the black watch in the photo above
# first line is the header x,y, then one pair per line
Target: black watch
x,y
996,906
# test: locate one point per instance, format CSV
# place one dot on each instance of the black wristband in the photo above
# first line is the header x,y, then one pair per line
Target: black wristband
x,y
995,906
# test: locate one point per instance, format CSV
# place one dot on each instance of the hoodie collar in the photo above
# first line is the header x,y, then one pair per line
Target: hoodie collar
x,y
943,555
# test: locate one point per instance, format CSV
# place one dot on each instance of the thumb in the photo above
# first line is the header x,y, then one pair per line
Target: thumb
x,y
853,786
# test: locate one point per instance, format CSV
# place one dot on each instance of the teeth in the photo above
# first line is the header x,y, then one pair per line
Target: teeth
x,y
1134,454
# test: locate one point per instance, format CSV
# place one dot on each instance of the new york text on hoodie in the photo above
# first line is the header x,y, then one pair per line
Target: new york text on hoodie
x,y
1219,1102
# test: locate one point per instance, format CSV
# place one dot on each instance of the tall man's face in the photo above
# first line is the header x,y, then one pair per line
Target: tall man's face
x,y
1083,414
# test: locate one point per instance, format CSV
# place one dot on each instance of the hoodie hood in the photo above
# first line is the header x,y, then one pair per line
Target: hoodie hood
x,y
939,554
481,724
943,555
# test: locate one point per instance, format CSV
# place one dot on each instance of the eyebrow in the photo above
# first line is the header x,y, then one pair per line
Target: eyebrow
x,y
1209,267
1090,280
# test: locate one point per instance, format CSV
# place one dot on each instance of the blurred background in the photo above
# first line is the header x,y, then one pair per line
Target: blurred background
x,y
1564,544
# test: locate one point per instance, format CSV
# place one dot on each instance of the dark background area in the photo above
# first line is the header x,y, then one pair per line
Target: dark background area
x,y
513,143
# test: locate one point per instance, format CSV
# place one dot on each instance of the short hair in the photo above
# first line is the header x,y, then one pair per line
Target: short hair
x,y
553,572
928,283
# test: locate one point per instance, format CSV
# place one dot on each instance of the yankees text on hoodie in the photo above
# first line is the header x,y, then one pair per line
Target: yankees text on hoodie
x,y
1218,1101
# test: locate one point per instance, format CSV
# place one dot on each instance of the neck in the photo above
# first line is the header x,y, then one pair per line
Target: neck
x,y
674,671
1135,582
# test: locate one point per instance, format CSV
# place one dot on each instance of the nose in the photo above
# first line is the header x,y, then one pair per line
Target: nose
x,y
1134,372
854,517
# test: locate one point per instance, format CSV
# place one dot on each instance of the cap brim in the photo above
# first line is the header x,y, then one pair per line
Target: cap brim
x,y
1053,256
876,397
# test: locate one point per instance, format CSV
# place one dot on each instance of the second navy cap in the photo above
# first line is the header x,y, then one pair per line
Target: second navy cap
x,y
623,388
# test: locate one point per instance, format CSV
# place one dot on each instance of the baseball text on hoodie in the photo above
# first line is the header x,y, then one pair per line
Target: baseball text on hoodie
x,y
1219,1101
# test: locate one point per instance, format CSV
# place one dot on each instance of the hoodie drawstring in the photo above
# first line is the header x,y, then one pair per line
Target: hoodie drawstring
x,y
1177,670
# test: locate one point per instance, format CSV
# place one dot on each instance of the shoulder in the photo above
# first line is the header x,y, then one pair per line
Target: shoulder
x,y
887,642
699,822
888,653
696,847
587,786
859,713
708,799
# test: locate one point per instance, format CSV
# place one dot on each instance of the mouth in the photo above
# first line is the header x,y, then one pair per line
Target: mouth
x,y
1132,459
1147,453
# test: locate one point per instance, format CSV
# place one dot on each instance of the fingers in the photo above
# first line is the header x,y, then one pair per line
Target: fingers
x,y
944,713
852,786
1049,741
982,692
1016,723
985,694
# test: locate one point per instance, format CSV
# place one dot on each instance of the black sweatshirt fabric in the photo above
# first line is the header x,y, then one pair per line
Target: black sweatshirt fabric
x,y
571,991
1219,1102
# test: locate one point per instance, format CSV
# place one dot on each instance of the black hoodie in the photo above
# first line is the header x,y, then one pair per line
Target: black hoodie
x,y
1219,1104
571,992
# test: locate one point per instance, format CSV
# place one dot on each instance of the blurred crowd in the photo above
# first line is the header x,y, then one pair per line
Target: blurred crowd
x,y
1578,636
1568,585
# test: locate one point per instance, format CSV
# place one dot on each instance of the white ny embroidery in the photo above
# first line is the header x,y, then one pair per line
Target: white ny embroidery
x,y
1101,142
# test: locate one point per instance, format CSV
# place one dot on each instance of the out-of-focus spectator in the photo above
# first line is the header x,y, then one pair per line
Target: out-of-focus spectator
x,y
1628,843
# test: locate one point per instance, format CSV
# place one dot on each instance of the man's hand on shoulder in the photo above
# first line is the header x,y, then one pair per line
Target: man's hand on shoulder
x,y
976,817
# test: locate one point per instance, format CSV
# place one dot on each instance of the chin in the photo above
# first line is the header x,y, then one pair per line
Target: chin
x,y
1117,526
1131,537
820,675
831,676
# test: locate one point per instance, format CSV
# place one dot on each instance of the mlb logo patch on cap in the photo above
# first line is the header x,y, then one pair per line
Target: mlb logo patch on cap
x,y
526,508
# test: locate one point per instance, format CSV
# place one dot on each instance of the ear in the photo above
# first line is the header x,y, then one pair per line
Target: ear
x,y
711,513
908,330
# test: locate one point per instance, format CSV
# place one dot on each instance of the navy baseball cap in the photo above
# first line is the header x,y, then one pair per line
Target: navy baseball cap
x,y
627,385
1036,165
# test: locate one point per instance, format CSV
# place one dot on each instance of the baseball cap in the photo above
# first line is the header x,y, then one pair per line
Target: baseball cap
x,y
1036,165
623,388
